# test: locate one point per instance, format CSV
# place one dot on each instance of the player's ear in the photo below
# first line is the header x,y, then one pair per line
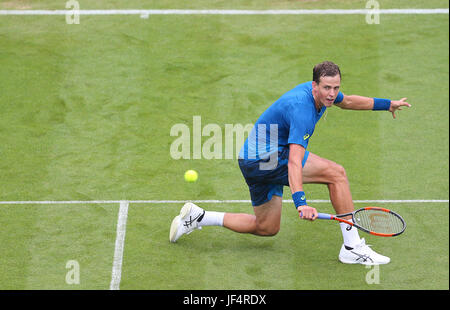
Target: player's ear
x,y
314,85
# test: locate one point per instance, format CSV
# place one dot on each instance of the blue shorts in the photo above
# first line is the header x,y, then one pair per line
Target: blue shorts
x,y
263,184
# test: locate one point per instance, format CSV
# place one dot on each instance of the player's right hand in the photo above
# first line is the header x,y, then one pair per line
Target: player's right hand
x,y
307,213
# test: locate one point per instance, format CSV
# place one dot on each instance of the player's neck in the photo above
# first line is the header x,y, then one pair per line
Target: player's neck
x,y
317,103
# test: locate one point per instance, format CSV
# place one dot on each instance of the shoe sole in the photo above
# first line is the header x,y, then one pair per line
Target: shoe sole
x,y
361,263
176,221
174,228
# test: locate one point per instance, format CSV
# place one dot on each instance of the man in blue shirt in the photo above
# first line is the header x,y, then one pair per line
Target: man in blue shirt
x,y
274,155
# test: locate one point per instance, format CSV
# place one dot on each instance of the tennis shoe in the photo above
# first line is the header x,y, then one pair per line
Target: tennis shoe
x,y
361,254
186,222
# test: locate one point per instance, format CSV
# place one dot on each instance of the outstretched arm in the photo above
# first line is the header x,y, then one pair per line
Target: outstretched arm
x,y
354,102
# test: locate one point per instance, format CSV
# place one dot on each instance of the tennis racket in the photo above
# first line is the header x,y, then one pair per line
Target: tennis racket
x,y
373,220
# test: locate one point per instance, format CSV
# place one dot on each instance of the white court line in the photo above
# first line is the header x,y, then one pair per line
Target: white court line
x,y
52,202
228,12
118,250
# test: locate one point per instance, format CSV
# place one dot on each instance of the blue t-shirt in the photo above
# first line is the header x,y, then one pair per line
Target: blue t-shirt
x,y
290,119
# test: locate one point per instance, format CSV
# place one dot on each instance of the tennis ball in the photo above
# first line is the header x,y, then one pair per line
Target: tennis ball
x,y
191,176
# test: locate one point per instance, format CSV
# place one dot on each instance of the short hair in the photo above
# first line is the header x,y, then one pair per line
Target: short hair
x,y
326,68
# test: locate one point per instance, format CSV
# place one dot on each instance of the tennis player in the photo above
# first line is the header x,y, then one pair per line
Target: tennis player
x,y
275,155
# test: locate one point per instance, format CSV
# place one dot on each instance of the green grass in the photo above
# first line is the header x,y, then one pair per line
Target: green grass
x,y
221,4
301,256
38,241
87,111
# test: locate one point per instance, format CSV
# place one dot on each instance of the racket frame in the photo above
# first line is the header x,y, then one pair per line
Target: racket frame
x,y
339,218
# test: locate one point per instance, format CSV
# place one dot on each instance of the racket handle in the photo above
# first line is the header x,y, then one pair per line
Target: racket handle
x,y
324,216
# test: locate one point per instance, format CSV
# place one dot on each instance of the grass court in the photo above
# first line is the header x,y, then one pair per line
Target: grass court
x,y
86,114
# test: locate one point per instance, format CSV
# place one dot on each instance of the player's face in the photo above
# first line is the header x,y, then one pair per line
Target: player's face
x,y
327,90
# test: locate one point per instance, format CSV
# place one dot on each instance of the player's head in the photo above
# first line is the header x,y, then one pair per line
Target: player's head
x,y
326,82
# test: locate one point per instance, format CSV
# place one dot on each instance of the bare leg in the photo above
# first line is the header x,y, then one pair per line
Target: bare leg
x,y
265,222
323,171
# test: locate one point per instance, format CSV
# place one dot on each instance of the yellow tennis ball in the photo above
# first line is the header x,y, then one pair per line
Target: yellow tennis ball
x,y
191,176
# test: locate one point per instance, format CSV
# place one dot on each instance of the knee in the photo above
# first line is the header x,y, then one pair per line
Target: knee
x,y
337,173
268,231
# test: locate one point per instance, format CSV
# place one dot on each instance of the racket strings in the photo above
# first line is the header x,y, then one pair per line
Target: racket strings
x,y
379,221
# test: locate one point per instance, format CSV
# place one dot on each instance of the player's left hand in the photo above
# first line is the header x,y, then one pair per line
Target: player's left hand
x,y
397,105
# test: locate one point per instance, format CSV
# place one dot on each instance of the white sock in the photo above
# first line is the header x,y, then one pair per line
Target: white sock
x,y
212,218
350,234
